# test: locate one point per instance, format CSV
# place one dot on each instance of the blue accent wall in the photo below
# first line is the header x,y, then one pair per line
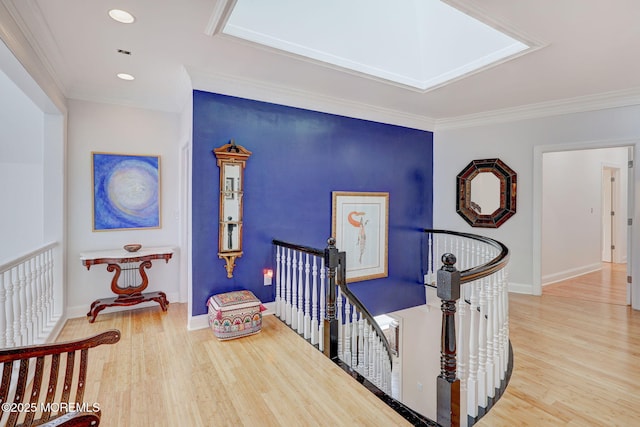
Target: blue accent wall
x,y
298,158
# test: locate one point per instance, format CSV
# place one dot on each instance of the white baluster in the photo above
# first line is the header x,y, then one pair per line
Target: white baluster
x,y
500,362
362,340
505,325
377,358
307,302
496,334
283,285
430,272
346,357
22,283
472,383
9,333
354,338
17,337
314,303
3,319
367,350
294,291
278,249
300,305
372,352
463,337
288,286
39,297
29,311
490,336
48,297
339,316
482,346
322,305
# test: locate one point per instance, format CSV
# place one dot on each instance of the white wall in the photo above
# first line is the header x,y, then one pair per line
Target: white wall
x,y
572,210
420,355
123,130
21,172
520,145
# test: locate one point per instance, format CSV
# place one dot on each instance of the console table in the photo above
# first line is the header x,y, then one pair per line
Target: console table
x,y
129,269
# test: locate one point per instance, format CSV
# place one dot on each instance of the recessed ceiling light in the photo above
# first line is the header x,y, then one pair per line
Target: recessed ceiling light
x,y
122,16
125,76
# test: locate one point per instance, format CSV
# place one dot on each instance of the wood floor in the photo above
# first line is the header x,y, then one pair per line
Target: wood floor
x,y
608,285
160,374
577,363
576,352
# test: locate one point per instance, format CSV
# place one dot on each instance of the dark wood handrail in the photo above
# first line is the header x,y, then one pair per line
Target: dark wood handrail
x,y
306,249
342,283
483,270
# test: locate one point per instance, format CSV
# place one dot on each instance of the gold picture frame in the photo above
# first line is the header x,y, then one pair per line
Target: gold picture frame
x,y
359,223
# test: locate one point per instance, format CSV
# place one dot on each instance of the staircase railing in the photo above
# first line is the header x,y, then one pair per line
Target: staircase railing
x,y
27,298
476,361
312,298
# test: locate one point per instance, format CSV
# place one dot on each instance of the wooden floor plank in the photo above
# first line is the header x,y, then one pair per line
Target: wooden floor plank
x,y
160,374
576,364
607,285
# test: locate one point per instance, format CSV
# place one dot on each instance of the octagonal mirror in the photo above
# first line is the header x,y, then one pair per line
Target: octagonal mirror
x,y
486,193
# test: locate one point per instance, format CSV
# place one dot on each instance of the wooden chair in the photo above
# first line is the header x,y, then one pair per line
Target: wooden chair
x,y
23,372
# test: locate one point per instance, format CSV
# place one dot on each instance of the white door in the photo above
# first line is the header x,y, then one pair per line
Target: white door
x,y
630,214
608,214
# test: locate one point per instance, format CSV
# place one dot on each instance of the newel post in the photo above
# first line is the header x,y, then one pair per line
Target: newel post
x,y
331,261
448,389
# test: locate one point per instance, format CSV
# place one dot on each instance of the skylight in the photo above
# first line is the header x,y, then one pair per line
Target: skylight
x,y
418,43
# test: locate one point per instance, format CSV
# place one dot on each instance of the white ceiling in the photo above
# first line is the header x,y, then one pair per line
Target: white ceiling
x,y
586,57
416,43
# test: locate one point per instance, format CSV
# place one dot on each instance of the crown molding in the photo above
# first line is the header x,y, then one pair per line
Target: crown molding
x,y
14,33
581,104
259,91
219,16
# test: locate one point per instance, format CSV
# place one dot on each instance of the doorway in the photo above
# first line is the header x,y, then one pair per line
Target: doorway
x,y
583,224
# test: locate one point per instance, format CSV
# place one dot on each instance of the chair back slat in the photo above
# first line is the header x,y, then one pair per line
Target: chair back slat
x,y
4,387
22,385
35,389
82,374
53,385
68,379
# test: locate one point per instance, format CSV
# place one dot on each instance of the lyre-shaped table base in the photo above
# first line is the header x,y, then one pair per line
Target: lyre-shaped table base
x,y
130,293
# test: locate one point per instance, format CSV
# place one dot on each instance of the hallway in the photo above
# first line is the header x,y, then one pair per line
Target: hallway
x,y
608,286
574,363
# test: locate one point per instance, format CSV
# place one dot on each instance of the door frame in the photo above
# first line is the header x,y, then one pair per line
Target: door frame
x,y
633,231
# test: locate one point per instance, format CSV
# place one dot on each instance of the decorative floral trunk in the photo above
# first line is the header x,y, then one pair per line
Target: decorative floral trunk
x,y
235,314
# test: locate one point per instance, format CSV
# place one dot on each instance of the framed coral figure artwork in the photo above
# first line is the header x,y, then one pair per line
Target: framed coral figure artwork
x,y
126,191
360,227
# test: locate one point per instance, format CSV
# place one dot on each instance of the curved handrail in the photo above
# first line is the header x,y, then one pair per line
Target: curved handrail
x,y
342,282
483,270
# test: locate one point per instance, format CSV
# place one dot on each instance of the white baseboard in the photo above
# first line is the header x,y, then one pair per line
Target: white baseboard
x,y
81,311
197,322
570,273
201,321
521,288
55,329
